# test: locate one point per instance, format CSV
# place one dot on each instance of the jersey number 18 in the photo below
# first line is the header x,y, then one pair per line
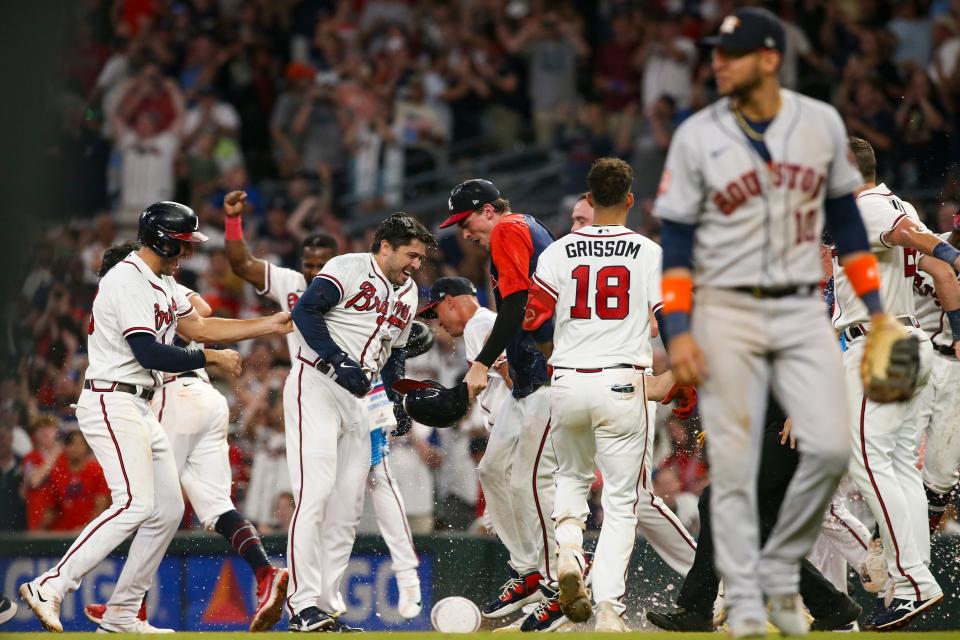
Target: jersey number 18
x,y
612,293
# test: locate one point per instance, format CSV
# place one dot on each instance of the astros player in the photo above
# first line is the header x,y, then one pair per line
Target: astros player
x,y
352,323
285,287
742,199
136,314
883,436
601,284
195,417
939,417
515,241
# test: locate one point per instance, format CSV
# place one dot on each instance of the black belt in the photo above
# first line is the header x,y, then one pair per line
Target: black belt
x,y
324,368
140,392
857,330
945,350
779,292
599,369
187,374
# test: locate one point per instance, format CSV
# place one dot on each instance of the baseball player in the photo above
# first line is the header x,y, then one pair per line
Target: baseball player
x,y
515,241
883,464
742,200
285,287
600,283
136,314
582,214
939,419
195,417
352,323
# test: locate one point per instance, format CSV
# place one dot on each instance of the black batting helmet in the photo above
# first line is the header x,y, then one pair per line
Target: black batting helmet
x,y
164,225
420,340
430,403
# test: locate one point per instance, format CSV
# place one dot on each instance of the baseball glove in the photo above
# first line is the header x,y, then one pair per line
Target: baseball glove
x,y
891,362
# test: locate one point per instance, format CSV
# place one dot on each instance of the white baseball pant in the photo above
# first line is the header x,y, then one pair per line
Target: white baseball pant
x,y
940,422
392,522
753,345
195,417
139,468
504,507
883,465
328,453
843,541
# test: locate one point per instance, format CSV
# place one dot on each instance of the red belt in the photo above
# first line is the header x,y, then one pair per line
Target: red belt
x,y
550,369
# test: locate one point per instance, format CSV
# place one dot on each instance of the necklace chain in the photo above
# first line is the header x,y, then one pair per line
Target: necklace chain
x,y
745,126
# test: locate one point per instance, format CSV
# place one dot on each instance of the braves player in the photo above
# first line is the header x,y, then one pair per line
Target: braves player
x,y
939,419
742,199
352,323
883,436
195,417
285,287
515,241
600,284
136,314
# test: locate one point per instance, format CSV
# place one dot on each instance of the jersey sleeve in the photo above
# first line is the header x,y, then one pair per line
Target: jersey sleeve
x,y
880,215
133,304
344,272
180,300
546,274
654,260
278,282
844,175
681,192
511,249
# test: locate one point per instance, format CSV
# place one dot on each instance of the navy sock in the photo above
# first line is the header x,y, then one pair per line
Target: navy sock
x,y
245,540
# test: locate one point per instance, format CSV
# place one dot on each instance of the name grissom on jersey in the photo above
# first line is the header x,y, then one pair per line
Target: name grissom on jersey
x,y
603,248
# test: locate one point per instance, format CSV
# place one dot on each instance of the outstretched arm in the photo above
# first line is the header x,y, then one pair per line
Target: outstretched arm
x,y
251,269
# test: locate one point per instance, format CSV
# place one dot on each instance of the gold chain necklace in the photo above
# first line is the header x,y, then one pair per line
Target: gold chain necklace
x,y
745,126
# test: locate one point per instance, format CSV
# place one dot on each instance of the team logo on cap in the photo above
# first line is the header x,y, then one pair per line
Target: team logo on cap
x,y
729,24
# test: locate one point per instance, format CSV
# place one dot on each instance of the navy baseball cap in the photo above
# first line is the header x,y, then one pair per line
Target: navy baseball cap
x,y
443,287
467,197
749,29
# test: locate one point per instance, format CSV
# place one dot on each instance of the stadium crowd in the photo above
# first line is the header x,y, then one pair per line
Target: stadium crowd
x,y
324,109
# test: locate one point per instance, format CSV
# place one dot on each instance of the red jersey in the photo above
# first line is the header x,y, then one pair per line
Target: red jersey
x,y
73,494
37,498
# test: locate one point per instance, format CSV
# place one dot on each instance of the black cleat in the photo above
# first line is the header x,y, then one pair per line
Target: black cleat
x,y
681,619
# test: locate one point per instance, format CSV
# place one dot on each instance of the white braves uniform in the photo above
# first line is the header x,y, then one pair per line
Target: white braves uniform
x,y
127,439
328,436
843,541
939,417
606,281
883,464
495,470
758,226
196,417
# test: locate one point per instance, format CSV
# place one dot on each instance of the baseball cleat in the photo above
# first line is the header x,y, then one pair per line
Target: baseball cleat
x,y
573,597
680,619
786,614
133,626
95,612
409,603
312,619
516,592
873,570
8,608
899,613
342,627
271,592
748,629
513,627
547,616
608,620
839,621
44,605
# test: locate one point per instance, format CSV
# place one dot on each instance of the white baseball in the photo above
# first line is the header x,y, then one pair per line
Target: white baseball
x,y
455,615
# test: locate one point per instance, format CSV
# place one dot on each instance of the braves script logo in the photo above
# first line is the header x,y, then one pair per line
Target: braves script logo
x,y
793,176
367,300
163,317
400,316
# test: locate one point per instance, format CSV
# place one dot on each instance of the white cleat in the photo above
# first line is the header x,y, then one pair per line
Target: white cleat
x,y
608,620
136,625
748,629
8,608
513,627
409,604
786,614
574,599
44,605
873,572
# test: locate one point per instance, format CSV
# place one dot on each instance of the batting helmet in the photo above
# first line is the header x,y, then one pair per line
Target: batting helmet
x,y
420,340
164,225
430,403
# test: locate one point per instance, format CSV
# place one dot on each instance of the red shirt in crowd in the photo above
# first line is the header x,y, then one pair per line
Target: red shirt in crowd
x,y
36,498
73,494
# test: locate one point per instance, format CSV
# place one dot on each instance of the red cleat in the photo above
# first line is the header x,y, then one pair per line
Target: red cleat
x,y
271,593
94,612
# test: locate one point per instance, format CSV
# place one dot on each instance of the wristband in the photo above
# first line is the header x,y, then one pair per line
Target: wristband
x,y
871,300
863,274
677,295
947,253
676,323
233,228
954,318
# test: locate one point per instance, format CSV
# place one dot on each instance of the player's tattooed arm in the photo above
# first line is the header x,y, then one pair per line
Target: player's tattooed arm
x,y
948,293
251,269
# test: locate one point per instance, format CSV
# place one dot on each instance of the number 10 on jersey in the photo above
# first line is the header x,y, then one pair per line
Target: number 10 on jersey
x,y
611,293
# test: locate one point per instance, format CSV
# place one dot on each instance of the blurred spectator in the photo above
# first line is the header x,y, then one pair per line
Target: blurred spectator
x,y
507,108
282,515
923,131
584,139
869,116
945,58
645,139
105,234
913,32
614,74
419,129
667,59
263,429
667,487
413,459
78,491
12,505
685,458
217,119
37,466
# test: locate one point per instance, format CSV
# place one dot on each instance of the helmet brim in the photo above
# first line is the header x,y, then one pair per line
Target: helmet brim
x,y
193,236
406,385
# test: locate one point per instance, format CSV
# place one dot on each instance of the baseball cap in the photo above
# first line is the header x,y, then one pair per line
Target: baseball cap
x,y
467,197
749,29
443,287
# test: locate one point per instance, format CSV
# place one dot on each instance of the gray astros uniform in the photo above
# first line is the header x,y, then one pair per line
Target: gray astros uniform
x,y
759,227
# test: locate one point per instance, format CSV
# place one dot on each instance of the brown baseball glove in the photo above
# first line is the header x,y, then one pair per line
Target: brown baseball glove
x,y
891,362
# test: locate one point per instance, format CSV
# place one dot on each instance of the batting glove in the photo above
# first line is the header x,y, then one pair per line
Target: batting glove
x,y
404,423
348,374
